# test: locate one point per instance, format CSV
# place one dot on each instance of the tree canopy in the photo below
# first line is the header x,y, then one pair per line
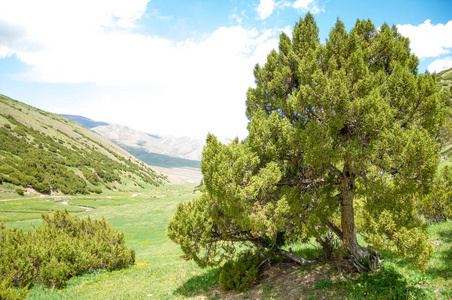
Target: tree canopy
x,y
343,137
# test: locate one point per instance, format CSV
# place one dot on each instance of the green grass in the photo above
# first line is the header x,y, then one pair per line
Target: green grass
x,y
397,279
27,208
159,271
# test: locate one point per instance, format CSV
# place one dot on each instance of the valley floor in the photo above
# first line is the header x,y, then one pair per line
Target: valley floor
x,y
160,273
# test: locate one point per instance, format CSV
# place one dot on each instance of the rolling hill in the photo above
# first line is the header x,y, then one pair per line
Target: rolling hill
x,y
47,153
445,78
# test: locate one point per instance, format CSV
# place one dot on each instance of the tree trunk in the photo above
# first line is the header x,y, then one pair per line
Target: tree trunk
x,y
363,259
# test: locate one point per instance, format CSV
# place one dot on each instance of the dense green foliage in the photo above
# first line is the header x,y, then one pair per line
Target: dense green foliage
x,y
30,158
342,130
437,205
9,292
63,247
239,274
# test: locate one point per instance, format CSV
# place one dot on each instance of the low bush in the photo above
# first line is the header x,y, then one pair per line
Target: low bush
x,y
96,190
63,247
241,273
8,292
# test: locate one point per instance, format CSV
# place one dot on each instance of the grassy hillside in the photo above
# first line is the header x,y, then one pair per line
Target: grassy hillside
x,y
46,153
445,78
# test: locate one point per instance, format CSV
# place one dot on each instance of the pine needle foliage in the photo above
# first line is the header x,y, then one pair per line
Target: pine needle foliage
x,y
63,247
240,274
437,205
341,130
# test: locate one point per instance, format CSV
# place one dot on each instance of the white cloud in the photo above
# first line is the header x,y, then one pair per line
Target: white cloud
x,y
440,65
236,17
287,30
265,8
428,40
146,82
307,5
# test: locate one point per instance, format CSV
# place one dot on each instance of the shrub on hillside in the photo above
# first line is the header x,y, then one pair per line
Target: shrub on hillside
x,y
30,156
96,190
63,247
241,273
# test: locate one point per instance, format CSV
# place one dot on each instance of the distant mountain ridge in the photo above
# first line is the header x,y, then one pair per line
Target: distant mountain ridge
x,y
85,122
178,157
155,150
181,147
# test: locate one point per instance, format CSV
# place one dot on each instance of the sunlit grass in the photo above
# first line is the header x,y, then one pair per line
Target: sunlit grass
x,y
159,272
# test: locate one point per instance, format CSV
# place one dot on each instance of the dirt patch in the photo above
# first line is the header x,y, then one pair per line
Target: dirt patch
x,y
287,280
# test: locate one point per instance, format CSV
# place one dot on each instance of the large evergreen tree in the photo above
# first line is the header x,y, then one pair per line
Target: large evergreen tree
x,y
335,129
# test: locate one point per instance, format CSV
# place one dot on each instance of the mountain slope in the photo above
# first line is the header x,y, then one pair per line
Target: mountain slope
x,y
181,147
445,78
48,153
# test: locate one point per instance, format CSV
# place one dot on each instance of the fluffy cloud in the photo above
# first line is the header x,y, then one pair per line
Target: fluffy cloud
x,y
265,8
147,82
440,65
428,40
307,5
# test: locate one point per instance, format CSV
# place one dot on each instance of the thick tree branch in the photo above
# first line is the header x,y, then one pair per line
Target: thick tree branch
x,y
298,259
335,229
335,171
296,182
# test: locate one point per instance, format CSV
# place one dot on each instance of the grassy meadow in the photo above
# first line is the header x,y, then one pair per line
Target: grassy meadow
x,y
160,273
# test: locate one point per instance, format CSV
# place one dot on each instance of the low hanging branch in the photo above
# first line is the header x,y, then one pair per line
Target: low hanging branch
x,y
298,259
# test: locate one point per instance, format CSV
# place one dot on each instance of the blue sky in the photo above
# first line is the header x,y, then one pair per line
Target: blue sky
x,y
177,67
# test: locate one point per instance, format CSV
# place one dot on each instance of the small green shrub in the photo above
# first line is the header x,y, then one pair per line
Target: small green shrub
x,y
20,192
7,126
20,130
8,292
323,284
42,187
63,247
241,273
96,190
